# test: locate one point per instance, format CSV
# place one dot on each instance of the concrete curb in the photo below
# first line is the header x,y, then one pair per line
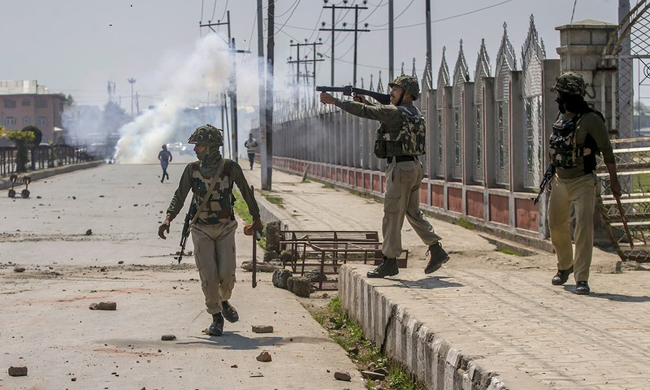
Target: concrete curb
x,y
407,340
45,173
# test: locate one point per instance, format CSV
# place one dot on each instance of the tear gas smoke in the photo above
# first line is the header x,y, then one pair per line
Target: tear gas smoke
x,y
207,68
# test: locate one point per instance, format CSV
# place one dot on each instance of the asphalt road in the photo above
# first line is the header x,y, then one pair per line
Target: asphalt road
x,y
47,326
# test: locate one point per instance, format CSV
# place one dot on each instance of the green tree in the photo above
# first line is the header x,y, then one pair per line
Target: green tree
x,y
23,140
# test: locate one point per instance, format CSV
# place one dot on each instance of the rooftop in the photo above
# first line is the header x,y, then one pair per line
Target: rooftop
x,y
17,87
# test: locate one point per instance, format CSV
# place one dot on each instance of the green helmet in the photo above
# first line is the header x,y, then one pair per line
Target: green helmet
x,y
409,83
571,83
206,135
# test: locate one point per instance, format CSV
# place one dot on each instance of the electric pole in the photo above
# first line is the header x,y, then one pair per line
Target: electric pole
x,y
131,81
267,170
428,18
355,30
232,91
391,35
306,61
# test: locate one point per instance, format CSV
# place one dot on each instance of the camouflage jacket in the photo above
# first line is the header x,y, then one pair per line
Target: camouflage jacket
x,y
390,116
219,208
591,125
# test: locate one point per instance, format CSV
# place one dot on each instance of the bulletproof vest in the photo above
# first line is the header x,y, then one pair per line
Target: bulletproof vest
x,y
221,200
563,150
410,140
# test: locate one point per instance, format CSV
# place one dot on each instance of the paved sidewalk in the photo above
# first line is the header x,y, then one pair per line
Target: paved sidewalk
x,y
498,313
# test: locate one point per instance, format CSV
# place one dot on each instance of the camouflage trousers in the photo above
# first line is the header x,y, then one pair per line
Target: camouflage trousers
x,y
402,199
581,194
216,260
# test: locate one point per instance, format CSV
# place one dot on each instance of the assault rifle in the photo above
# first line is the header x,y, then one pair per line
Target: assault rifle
x,y
548,175
186,229
348,90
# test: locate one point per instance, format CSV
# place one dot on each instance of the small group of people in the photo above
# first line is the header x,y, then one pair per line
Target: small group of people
x,y
579,134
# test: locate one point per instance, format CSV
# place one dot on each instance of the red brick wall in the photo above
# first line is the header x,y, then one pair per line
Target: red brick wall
x,y
475,205
455,199
499,211
437,196
527,215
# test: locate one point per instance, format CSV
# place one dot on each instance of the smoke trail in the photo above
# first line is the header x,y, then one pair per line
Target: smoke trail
x,y
207,68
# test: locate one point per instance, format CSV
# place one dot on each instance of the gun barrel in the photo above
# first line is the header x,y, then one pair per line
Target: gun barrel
x,y
321,88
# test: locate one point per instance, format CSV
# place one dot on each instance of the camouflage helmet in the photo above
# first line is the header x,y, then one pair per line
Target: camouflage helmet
x,y
206,135
571,83
409,83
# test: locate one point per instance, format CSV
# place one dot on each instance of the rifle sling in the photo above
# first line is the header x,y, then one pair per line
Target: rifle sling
x,y
213,183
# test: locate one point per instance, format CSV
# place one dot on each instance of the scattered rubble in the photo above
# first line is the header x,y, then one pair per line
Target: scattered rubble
x,y
108,305
262,329
89,232
280,278
343,376
270,256
168,337
19,269
301,286
262,267
18,371
264,357
373,375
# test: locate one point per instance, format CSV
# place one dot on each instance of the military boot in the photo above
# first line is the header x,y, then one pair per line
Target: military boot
x,y
582,288
561,276
388,267
216,328
229,312
438,257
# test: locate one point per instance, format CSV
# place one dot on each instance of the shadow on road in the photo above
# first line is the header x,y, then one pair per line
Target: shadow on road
x,y
232,340
613,297
429,283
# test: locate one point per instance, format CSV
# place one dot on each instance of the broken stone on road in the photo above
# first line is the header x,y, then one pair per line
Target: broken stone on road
x,y
109,305
343,376
18,371
19,269
262,329
264,357
168,337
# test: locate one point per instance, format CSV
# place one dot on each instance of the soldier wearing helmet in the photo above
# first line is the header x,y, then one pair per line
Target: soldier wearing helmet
x,y
579,135
211,180
400,140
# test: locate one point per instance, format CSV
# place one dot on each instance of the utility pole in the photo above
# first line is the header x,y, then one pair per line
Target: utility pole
x,y
391,35
131,81
267,170
428,17
137,103
232,92
305,61
261,80
355,30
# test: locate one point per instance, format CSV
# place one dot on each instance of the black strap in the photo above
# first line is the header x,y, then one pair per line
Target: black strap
x,y
398,159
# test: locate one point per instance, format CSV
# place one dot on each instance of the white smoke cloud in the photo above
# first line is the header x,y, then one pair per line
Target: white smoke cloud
x,y
206,69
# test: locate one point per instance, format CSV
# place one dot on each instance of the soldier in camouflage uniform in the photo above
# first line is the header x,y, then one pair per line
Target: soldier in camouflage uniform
x,y
213,232
401,138
579,134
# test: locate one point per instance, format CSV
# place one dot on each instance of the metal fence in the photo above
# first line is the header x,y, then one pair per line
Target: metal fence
x,y
42,157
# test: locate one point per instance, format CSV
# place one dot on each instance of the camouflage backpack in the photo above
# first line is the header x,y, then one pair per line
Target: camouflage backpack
x,y
563,150
409,141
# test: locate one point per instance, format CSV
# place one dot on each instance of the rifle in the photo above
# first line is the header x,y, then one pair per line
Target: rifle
x,y
548,175
348,90
186,229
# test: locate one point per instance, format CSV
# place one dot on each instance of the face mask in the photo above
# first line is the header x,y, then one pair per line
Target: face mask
x,y
560,105
201,155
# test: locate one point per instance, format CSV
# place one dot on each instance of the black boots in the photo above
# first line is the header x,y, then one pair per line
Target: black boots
x,y
438,257
229,312
388,267
582,288
561,277
216,328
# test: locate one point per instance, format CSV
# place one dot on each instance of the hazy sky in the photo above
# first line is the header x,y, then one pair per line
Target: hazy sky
x,y
76,46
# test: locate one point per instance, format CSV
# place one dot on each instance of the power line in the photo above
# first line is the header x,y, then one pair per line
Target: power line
x,y
397,17
289,18
373,11
214,9
574,10
450,17
224,9
288,9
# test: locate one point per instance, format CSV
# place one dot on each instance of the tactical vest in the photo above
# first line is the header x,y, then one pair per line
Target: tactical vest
x,y
221,201
563,150
410,140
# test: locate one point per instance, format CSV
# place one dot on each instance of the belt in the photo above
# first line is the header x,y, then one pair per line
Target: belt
x,y
399,159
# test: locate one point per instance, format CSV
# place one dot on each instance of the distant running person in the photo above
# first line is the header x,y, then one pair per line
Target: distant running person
x,y
251,144
165,157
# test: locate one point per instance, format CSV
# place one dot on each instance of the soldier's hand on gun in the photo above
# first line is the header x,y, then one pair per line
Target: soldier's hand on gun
x,y
164,227
257,226
359,98
326,98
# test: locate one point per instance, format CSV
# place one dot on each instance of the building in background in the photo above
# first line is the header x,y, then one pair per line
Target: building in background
x,y
24,103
